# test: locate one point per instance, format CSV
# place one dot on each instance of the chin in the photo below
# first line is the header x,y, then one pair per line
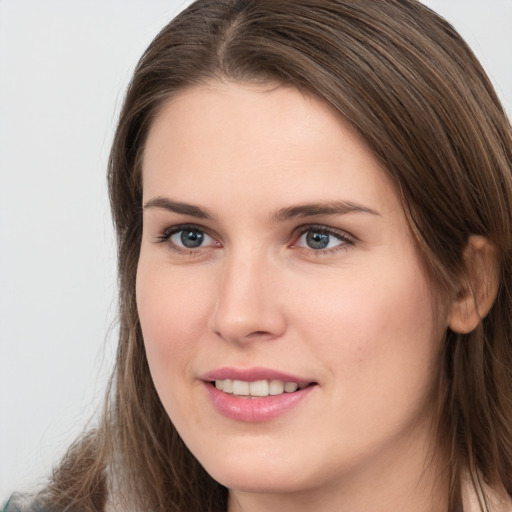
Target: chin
x,y
262,477
260,484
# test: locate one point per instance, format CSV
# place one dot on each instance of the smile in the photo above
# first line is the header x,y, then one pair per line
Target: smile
x,y
258,388
255,394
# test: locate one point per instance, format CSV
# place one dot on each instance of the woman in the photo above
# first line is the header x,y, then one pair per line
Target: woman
x,y
313,207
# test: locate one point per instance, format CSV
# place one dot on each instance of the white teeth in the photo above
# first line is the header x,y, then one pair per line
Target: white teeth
x,y
290,387
227,386
276,387
258,387
240,387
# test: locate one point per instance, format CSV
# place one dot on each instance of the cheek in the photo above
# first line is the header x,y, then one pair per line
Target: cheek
x,y
171,312
378,332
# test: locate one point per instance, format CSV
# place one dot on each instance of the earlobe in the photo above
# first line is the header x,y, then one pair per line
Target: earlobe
x,y
478,286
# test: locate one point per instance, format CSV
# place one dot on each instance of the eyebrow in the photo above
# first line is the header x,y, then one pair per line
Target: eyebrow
x,y
314,209
178,207
290,212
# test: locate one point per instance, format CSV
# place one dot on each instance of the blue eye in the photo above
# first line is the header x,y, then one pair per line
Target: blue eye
x,y
189,238
186,238
317,240
321,239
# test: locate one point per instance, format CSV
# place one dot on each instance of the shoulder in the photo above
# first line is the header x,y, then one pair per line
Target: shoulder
x,y
476,492
23,503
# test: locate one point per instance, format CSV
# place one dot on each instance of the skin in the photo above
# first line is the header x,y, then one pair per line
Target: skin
x,y
357,318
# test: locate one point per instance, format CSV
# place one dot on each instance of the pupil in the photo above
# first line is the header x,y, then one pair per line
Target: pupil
x,y
317,240
191,239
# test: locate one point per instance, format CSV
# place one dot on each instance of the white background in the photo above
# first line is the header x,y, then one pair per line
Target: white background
x,y
64,66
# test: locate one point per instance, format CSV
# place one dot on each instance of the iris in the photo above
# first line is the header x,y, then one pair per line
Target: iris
x,y
317,239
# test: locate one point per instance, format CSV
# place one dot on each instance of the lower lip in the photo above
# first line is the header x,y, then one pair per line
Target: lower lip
x,y
255,409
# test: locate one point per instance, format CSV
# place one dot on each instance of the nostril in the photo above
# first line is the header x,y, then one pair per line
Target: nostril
x,y
258,334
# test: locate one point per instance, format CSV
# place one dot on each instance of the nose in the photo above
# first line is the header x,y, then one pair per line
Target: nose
x,y
248,304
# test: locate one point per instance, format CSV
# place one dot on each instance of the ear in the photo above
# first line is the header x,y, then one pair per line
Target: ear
x,y
478,287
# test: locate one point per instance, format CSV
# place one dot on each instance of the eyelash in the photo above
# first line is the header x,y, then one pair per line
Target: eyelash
x,y
165,239
346,240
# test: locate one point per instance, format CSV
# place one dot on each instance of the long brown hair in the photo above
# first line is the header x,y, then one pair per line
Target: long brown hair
x,y
405,79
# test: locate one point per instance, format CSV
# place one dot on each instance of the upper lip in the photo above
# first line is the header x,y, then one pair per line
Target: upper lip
x,y
253,374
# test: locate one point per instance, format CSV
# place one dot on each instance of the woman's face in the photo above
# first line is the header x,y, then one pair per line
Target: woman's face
x,y
276,254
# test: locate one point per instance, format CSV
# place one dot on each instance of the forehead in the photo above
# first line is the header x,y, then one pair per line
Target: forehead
x,y
259,116
248,135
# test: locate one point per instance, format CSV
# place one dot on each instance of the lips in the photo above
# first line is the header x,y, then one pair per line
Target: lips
x,y
256,394
253,374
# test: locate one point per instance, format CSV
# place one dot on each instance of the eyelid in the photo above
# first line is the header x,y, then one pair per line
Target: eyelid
x,y
345,237
165,238
166,233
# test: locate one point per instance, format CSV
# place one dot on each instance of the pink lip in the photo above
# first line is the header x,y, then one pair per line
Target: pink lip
x,y
254,409
252,374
